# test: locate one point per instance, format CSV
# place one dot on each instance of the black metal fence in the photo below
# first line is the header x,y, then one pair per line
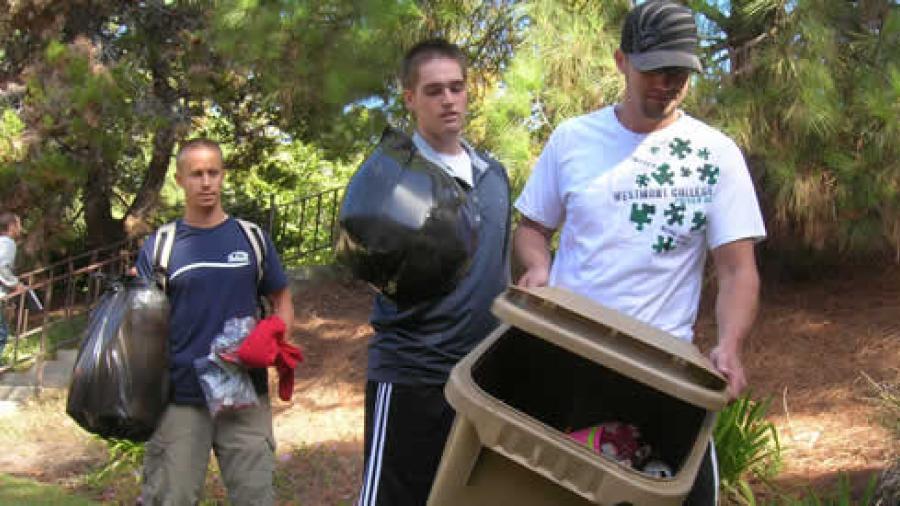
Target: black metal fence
x,y
302,231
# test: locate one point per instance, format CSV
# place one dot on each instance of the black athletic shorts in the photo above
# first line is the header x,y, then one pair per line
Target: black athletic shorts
x,y
406,428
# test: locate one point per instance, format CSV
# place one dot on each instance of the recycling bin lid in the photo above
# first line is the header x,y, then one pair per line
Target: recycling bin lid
x,y
616,341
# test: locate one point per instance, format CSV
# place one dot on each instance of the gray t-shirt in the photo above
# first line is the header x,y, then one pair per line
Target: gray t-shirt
x,y
8,280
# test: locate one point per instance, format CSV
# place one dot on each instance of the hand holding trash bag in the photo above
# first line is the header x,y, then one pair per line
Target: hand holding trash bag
x,y
406,226
120,382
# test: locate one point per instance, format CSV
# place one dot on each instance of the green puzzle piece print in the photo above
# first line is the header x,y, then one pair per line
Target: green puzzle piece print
x,y
642,180
664,244
643,215
663,175
703,153
686,172
709,173
699,221
675,212
680,148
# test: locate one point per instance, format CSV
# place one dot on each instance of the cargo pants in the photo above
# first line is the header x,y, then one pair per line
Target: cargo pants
x,y
177,456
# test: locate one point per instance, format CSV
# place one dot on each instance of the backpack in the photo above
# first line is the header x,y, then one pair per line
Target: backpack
x,y
165,240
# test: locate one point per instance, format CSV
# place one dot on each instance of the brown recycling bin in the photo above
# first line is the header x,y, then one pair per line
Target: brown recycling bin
x,y
560,363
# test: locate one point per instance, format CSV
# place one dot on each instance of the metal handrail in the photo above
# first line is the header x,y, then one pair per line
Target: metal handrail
x,y
81,288
128,243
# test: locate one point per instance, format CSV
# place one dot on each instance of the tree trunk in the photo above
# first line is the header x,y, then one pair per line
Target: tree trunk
x,y
102,228
147,197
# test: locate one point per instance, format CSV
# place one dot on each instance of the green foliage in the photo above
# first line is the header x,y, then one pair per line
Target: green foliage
x,y
123,457
563,68
11,149
21,492
810,92
296,91
746,445
311,59
26,349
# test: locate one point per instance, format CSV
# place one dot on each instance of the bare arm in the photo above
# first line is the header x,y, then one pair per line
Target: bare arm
x,y
736,305
532,247
283,307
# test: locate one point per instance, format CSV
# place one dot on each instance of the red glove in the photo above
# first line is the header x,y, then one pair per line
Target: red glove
x,y
260,347
265,346
285,363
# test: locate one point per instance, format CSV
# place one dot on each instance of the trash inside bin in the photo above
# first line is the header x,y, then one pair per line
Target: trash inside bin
x,y
561,365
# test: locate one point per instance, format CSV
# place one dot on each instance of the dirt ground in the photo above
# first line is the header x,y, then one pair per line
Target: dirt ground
x,y
809,351
812,343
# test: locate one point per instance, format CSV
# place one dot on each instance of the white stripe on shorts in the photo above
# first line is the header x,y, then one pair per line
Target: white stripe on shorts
x,y
368,495
715,466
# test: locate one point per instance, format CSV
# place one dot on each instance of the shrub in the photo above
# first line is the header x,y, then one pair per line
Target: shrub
x,y
746,445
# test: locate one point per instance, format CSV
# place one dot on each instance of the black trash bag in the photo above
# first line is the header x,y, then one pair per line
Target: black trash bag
x,y
405,225
120,383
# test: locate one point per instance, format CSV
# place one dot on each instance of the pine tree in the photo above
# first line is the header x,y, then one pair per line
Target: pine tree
x,y
811,91
99,92
563,68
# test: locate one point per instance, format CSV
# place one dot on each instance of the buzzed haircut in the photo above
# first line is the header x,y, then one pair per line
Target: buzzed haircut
x,y
425,51
7,219
196,143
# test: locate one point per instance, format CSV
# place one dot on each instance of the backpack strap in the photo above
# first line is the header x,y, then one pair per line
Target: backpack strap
x,y
165,240
162,253
257,242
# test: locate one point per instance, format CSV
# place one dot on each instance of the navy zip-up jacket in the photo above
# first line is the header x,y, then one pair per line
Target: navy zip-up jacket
x,y
420,344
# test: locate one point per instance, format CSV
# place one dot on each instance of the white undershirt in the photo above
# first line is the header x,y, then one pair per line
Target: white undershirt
x,y
459,165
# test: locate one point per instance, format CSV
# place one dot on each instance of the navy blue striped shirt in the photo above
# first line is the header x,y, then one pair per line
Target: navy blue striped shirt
x,y
212,278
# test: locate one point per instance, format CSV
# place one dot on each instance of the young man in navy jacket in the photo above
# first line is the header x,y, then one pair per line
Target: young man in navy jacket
x,y
410,357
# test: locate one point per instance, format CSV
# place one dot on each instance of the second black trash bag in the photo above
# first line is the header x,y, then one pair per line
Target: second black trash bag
x,y
120,383
406,226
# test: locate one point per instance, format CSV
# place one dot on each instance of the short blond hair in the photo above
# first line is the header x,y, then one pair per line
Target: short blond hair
x,y
197,143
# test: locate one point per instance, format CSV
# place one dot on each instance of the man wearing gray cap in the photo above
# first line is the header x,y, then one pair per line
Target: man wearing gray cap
x,y
640,191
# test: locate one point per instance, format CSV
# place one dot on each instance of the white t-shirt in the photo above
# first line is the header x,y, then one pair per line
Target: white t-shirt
x,y
639,211
458,165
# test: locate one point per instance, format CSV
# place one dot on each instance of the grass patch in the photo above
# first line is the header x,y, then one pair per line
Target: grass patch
x,y
60,331
19,491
